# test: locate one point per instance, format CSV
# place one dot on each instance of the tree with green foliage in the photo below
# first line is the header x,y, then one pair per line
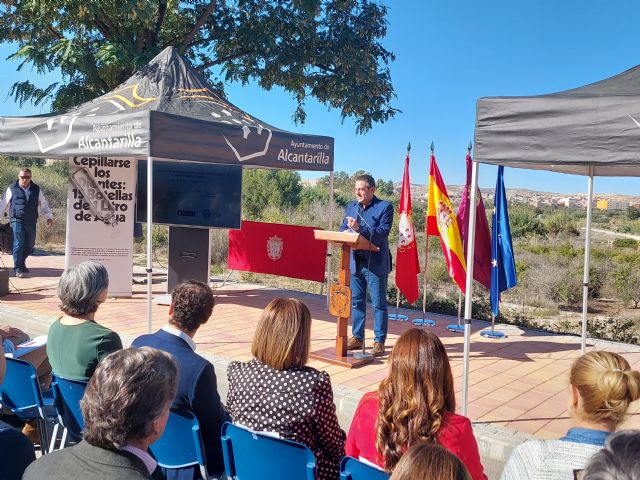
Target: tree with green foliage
x,y
262,188
633,213
327,49
385,188
625,280
561,222
524,222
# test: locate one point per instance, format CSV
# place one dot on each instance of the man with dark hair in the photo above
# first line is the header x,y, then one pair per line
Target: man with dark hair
x,y
191,306
372,218
125,409
23,199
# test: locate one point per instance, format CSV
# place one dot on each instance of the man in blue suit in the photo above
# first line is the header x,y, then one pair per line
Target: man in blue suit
x,y
372,218
191,306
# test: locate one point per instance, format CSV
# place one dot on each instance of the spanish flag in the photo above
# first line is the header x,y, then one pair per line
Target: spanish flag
x,y
442,222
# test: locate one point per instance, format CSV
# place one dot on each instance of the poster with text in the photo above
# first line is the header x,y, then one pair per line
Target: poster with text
x,y
100,217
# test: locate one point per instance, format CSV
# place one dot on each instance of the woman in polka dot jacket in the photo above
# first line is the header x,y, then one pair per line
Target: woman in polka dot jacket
x,y
276,392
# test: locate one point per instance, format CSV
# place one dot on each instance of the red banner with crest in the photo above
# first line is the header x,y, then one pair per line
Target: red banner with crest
x,y
277,249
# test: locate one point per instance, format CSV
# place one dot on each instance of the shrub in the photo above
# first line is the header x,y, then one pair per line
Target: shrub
x,y
619,330
625,243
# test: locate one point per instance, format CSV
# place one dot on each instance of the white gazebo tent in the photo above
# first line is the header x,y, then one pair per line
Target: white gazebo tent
x,y
592,130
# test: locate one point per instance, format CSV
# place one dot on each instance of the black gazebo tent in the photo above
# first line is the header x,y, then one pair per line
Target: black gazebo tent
x,y
592,130
165,111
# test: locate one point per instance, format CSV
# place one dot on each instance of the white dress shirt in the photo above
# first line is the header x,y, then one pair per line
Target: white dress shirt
x,y
179,333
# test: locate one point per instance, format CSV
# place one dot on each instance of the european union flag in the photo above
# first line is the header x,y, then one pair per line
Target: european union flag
x,y
503,263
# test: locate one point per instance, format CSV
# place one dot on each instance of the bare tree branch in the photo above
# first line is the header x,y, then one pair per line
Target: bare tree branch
x,y
54,32
228,58
203,18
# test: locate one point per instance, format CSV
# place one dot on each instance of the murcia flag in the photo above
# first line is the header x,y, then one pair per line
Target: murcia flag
x,y
482,245
407,265
442,222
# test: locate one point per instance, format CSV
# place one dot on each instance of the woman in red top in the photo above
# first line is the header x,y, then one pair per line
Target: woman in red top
x,y
414,404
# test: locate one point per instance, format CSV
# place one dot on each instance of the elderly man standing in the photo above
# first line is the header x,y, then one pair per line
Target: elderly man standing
x,y
125,409
191,306
23,199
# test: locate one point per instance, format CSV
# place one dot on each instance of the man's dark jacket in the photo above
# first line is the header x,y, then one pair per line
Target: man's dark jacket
x,y
197,392
89,462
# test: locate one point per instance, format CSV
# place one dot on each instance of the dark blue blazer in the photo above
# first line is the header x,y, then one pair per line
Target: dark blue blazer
x,y
198,392
377,223
16,452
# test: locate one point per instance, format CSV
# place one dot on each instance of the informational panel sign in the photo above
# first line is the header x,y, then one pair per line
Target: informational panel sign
x,y
100,217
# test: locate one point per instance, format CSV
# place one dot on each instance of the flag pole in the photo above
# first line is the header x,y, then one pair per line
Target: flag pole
x,y
425,321
458,328
398,316
493,333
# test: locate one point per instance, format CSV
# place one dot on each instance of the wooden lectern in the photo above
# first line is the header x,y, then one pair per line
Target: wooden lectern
x,y
340,297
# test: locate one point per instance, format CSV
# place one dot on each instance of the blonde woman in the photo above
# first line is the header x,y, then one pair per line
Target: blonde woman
x,y
602,385
415,404
277,392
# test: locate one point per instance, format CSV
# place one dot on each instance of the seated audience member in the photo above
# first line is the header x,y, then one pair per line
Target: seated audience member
x,y
12,337
415,404
618,460
125,409
426,461
16,451
37,357
602,385
76,343
191,306
276,392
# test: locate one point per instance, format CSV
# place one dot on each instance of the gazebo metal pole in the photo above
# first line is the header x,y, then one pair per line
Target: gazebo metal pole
x,y
468,298
149,241
587,256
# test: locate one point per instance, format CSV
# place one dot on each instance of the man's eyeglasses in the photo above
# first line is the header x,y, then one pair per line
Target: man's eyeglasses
x,y
25,177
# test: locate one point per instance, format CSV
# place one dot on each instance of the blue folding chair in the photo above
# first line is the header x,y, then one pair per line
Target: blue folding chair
x,y
181,443
67,395
353,469
249,455
20,393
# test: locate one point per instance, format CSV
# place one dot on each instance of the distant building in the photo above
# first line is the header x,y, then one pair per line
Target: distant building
x,y
617,205
568,202
611,205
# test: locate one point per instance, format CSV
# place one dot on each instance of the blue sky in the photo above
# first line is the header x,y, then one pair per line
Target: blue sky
x,y
448,54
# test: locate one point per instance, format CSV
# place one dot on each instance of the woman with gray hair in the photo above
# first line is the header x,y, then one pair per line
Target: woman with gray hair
x,y
125,409
618,460
76,343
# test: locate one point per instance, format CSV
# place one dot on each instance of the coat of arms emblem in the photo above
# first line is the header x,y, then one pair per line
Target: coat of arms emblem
x,y
444,215
274,247
406,235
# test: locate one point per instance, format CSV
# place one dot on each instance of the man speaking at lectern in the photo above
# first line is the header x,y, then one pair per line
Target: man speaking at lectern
x,y
372,218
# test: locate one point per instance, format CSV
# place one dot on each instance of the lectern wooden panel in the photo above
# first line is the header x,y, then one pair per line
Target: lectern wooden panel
x,y
346,241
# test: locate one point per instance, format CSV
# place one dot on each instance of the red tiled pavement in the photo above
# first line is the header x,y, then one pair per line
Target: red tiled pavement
x,y
519,382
